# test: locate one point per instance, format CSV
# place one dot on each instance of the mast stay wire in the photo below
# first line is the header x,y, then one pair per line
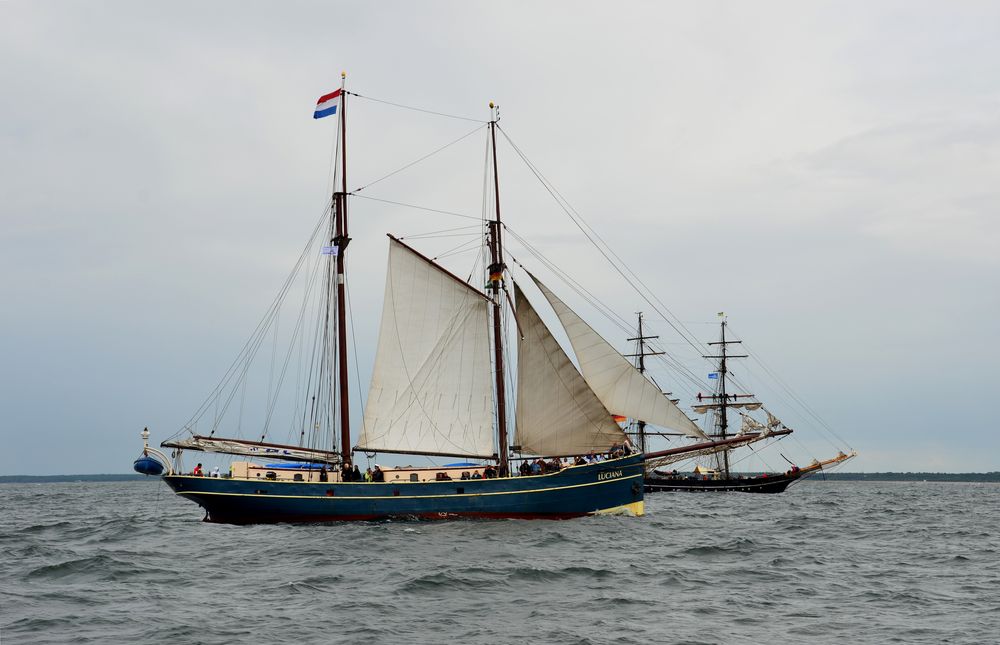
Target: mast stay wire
x,y
621,268
456,250
645,292
307,306
252,343
617,263
578,220
794,397
605,250
296,333
416,109
422,208
416,161
354,342
607,312
439,232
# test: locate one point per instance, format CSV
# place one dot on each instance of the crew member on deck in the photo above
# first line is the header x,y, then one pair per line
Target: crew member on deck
x,y
198,472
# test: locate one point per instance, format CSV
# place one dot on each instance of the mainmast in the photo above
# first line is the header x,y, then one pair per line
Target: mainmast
x,y
640,364
340,241
722,398
496,269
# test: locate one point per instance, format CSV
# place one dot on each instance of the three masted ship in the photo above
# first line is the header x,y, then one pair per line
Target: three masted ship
x,y
719,475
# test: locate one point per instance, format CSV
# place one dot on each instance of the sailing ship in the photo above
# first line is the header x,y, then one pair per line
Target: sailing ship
x,y
438,391
720,476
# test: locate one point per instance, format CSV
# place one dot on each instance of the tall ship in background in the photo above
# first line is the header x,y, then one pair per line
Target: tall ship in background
x,y
716,472
438,392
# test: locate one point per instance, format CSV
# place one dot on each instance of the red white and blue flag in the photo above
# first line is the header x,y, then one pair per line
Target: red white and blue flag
x,y
327,105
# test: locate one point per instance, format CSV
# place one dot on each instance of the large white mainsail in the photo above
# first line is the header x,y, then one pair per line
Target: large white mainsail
x,y
615,381
431,390
557,413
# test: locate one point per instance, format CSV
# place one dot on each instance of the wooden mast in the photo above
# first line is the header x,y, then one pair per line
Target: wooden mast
x,y
496,269
341,240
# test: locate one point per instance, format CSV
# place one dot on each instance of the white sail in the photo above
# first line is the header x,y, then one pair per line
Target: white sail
x,y
615,381
253,449
705,407
749,424
431,390
557,413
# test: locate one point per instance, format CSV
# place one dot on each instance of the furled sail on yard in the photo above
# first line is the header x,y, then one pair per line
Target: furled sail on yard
x,y
431,390
615,381
557,413
253,449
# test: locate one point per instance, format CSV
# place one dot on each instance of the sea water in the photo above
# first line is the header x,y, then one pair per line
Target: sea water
x,y
824,562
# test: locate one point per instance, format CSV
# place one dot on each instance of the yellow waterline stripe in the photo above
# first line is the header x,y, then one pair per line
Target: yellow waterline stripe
x,y
452,495
638,509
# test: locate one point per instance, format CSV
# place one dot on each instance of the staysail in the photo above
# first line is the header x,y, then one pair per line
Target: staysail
x,y
557,413
615,381
431,390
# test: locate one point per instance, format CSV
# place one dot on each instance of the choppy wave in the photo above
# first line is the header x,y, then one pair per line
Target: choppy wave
x,y
834,561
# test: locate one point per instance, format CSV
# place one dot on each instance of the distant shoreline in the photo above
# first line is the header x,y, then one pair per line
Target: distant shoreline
x,y
832,476
910,477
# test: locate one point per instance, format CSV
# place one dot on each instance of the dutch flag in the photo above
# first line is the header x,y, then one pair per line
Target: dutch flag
x,y
327,105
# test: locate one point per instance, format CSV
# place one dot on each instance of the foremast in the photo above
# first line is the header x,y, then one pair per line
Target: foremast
x,y
496,270
340,241
721,399
640,364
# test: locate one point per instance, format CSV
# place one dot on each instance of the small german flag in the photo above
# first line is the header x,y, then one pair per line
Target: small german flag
x,y
619,418
496,276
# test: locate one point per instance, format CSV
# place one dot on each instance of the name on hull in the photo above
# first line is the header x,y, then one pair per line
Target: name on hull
x,y
610,474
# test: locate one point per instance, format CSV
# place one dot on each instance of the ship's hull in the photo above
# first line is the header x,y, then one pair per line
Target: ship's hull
x,y
775,483
605,487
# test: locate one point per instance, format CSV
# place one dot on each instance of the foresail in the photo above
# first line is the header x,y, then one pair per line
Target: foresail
x,y
431,390
557,413
615,381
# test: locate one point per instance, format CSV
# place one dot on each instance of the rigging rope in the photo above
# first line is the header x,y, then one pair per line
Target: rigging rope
x,y
354,344
252,343
416,161
788,390
604,249
644,292
422,208
416,109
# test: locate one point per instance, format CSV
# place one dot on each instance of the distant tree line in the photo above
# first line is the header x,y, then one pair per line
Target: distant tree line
x,y
45,479
911,477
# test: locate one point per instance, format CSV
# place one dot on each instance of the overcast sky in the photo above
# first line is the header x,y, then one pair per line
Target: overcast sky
x,y
826,173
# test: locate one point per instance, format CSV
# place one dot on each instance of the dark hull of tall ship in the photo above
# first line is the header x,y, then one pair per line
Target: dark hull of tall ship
x,y
613,486
772,483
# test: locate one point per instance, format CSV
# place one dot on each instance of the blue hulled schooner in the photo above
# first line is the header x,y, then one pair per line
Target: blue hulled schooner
x,y
438,390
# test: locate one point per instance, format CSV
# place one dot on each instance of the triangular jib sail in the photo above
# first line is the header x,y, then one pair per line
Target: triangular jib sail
x,y
615,381
557,413
431,389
